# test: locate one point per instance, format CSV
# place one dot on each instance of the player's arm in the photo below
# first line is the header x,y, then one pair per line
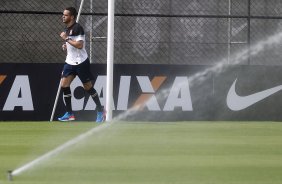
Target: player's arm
x,y
64,47
77,44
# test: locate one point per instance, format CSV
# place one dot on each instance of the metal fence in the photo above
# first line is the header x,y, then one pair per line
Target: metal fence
x,y
189,32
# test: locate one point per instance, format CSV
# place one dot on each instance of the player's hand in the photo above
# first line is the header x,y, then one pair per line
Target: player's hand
x,y
63,35
64,47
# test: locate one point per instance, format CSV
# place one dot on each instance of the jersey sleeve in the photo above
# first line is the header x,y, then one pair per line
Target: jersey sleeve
x,y
79,33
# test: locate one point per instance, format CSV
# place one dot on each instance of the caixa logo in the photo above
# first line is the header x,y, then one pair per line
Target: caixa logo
x,y
148,96
19,94
177,95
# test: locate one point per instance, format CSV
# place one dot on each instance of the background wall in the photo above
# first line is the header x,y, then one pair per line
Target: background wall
x,y
181,95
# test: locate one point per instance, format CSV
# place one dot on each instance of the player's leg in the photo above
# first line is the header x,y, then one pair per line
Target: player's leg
x,y
65,86
86,76
101,116
93,93
67,78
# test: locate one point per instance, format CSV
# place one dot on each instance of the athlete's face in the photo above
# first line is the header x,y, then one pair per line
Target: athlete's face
x,y
67,17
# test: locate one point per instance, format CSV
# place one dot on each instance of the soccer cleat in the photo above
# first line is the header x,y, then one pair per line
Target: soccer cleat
x,y
101,116
67,117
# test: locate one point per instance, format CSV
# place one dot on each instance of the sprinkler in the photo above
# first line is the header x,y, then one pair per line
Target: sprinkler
x,y
9,175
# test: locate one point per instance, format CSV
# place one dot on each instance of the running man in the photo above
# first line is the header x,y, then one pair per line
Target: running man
x,y
77,64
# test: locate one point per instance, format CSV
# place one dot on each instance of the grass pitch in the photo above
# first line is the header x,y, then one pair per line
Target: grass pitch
x,y
145,153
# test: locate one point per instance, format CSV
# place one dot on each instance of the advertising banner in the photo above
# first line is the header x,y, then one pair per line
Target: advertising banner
x,y
147,92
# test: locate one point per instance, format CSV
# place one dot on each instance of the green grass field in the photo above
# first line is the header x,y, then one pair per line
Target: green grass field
x,y
145,153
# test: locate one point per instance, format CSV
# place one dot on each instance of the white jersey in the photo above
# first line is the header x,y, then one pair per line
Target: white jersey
x,y
76,56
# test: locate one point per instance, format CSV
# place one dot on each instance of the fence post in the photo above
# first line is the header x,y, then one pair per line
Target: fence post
x,y
110,58
249,31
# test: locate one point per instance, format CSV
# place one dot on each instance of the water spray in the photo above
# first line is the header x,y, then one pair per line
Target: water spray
x,y
238,58
56,151
217,68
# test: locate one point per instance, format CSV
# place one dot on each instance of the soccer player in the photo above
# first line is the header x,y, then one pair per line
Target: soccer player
x,y
77,64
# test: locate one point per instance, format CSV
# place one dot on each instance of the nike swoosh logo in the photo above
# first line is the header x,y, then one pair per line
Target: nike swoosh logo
x,y
237,103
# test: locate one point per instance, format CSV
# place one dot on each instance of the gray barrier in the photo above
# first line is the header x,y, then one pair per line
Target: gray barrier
x,y
148,92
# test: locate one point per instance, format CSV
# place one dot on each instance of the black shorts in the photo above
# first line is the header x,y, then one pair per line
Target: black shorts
x,y
82,71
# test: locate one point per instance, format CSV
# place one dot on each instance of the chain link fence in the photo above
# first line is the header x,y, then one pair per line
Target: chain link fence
x,y
189,32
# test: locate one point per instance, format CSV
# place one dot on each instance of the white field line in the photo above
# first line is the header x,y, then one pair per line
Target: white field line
x,y
60,148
